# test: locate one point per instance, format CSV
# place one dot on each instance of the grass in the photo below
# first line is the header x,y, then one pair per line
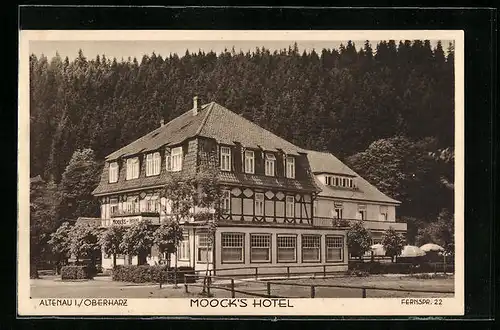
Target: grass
x,y
104,287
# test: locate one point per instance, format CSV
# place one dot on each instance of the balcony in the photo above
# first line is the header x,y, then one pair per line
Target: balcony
x,y
129,218
368,224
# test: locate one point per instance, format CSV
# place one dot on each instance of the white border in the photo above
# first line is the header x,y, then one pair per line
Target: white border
x,y
178,307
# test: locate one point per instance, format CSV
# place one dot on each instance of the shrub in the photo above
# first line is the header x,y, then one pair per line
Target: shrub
x,y
77,272
151,274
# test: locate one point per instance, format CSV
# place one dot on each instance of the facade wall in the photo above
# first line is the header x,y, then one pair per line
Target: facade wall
x,y
275,266
326,207
243,206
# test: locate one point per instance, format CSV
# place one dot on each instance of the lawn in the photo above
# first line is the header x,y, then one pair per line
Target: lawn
x,y
101,287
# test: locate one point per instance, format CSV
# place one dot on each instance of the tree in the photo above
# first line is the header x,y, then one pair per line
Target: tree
x,y
60,243
138,240
197,196
110,241
167,237
358,240
393,243
79,179
84,242
441,232
43,204
403,169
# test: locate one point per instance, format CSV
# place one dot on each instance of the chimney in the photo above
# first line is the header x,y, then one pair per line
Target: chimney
x,y
196,107
162,122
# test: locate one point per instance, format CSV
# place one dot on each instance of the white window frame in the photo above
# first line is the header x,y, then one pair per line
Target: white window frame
x,y
290,167
259,204
383,213
334,242
249,161
132,205
183,253
176,159
113,172
290,206
113,206
328,180
133,168
226,201
202,247
260,242
270,164
286,242
311,242
231,242
225,158
153,164
361,212
153,204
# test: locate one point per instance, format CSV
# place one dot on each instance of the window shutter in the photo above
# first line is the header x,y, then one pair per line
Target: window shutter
x,y
237,156
280,162
259,162
168,159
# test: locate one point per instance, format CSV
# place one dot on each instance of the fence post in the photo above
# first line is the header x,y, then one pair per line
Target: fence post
x,y
288,271
185,285
208,285
256,272
313,291
364,293
232,288
324,271
268,289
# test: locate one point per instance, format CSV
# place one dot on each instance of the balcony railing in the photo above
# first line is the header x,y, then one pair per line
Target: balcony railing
x,y
135,213
369,224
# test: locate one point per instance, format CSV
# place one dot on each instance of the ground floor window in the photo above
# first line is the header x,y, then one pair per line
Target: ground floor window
x,y
334,248
260,247
311,248
232,247
204,253
183,252
287,248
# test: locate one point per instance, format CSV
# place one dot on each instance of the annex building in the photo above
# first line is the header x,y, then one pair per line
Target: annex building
x,y
278,203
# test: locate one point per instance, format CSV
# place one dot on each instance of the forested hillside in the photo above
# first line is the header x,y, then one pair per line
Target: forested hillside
x,y
386,109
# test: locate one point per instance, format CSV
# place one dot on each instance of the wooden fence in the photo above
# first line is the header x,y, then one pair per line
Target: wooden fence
x,y
363,289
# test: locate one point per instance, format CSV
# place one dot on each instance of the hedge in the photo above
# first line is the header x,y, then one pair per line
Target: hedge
x,y
151,274
78,272
397,268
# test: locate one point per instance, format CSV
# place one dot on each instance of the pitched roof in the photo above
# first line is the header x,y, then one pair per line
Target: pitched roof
x,y
324,162
212,121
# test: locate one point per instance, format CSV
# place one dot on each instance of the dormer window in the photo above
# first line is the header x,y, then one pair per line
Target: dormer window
x,y
225,158
337,181
173,159
270,162
132,168
290,167
113,172
249,162
153,164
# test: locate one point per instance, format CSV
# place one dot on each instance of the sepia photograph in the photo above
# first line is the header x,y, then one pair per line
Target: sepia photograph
x,y
238,169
